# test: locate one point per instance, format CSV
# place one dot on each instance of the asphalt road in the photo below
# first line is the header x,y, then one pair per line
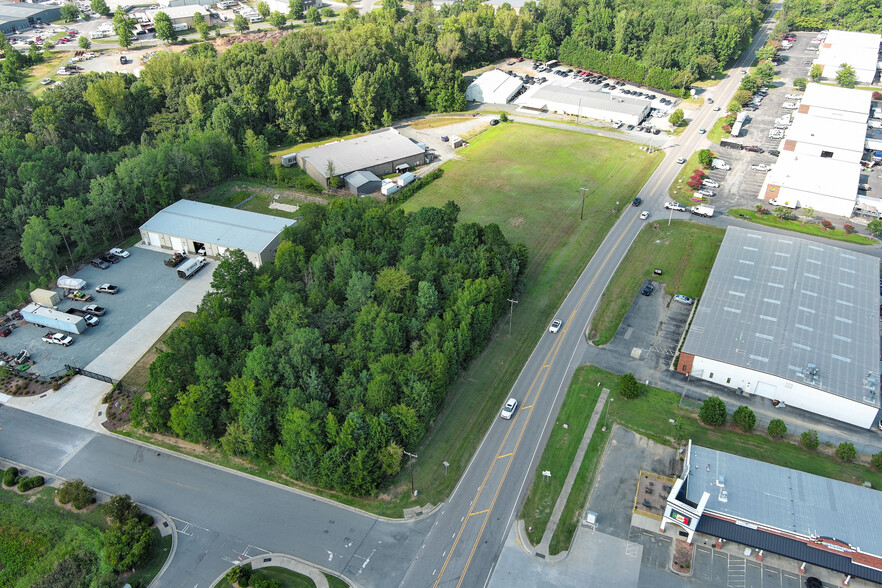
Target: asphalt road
x,y
468,535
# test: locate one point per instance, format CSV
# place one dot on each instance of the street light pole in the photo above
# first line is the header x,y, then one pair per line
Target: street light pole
x,y
582,213
510,313
412,457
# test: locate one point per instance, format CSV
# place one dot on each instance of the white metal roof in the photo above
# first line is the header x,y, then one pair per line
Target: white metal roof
x,y
777,304
860,50
494,86
816,175
361,153
836,98
180,11
227,227
826,132
588,98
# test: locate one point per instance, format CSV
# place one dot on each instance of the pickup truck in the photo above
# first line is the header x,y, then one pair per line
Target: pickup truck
x,y
176,259
58,339
90,320
80,296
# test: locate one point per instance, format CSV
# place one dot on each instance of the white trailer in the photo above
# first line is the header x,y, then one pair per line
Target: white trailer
x,y
69,283
54,319
405,179
702,210
289,159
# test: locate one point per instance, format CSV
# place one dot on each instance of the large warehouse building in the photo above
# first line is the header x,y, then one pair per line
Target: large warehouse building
x,y
493,87
826,137
840,104
206,229
589,103
807,518
382,153
790,320
859,50
823,184
16,17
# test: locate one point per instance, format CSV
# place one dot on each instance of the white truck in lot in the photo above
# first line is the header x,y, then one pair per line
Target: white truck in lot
x,y
702,210
720,164
785,203
191,266
58,339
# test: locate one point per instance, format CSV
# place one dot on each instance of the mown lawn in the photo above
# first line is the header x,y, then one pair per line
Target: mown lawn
x,y
559,453
770,220
526,179
678,190
684,251
716,132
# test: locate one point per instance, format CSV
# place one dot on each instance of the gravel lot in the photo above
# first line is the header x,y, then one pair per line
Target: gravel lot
x,y
144,282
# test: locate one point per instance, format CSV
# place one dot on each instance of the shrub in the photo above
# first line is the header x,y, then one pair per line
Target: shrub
x,y
744,418
713,412
727,128
30,483
120,509
809,439
245,575
628,386
848,228
827,224
846,451
777,429
76,493
876,460
10,477
234,574
503,117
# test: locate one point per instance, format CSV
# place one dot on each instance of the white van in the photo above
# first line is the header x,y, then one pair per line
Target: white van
x,y
257,18
289,159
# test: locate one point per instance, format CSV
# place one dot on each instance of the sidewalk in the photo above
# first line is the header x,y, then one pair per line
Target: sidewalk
x,y
571,476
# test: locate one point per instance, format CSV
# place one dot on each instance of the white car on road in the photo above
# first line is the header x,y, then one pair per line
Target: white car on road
x,y
762,167
681,160
555,326
675,206
644,215
509,409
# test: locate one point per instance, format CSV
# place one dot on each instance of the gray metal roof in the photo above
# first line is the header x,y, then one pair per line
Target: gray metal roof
x,y
587,98
361,153
360,178
789,500
776,304
227,227
16,11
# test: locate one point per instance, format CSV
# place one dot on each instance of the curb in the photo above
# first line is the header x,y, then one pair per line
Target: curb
x,y
264,556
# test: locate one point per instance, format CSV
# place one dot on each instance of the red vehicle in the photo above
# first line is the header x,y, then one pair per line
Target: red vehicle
x,y
790,38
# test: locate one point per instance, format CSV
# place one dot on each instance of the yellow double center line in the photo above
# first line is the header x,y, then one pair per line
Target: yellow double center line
x,y
546,368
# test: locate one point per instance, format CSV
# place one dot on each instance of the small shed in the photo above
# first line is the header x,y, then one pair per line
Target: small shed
x,y
456,142
362,182
45,297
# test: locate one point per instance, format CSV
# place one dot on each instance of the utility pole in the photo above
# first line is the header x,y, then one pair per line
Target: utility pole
x,y
510,313
582,213
412,457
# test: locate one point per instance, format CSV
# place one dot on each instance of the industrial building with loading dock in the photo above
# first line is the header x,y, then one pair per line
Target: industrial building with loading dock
x,y
206,229
793,321
18,16
381,153
812,520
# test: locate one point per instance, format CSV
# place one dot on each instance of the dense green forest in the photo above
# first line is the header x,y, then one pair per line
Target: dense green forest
x,y
848,15
83,164
337,357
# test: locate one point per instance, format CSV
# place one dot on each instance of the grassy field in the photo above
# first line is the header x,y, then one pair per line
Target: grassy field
x,y
684,251
435,122
233,193
559,454
648,415
716,133
798,226
533,195
53,61
678,190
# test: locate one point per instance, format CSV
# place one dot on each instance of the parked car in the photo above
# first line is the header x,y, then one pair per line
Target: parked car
x,y
793,96
109,257
555,326
107,289
120,252
95,309
647,289
753,148
762,167
100,263
774,152
683,299
644,215
681,160
58,339
675,206
511,405
494,122
710,183
706,192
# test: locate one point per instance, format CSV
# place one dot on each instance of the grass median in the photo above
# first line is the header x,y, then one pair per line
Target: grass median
x,y
678,190
716,133
770,220
684,251
526,179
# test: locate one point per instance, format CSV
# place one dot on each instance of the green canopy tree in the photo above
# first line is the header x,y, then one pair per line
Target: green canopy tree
x,y
295,9
277,19
39,247
164,28
313,16
240,24
846,76
123,27
816,71
69,12
99,7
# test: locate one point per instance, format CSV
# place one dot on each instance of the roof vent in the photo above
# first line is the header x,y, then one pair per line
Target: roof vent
x,y
721,481
724,496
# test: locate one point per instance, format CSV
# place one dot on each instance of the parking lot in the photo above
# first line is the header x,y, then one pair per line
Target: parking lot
x,y
144,283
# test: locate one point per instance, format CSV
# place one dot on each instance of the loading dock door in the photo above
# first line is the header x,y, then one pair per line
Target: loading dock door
x,y
177,244
766,390
154,239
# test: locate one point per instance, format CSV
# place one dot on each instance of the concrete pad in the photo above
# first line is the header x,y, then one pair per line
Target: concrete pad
x,y
595,559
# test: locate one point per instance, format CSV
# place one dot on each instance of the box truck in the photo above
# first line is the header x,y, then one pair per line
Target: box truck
x,y
702,210
189,269
720,164
289,159
45,297
55,319
405,179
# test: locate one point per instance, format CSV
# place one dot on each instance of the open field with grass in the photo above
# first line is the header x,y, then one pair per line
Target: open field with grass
x,y
559,454
434,122
257,196
31,82
684,251
770,220
678,190
533,195
648,415
716,133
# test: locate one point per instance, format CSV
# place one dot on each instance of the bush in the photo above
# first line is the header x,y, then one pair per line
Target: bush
x,y
744,418
713,412
76,493
234,574
777,429
876,460
846,451
809,439
245,575
120,509
827,224
30,483
628,386
848,228
10,477
503,117
404,194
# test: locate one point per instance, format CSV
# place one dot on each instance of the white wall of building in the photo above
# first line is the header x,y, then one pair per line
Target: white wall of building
x,y
791,393
598,113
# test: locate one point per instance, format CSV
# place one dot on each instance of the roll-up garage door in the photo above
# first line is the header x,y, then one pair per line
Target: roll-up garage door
x,y
177,244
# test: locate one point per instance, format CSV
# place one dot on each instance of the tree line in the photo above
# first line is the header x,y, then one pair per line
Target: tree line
x,y
816,15
336,358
